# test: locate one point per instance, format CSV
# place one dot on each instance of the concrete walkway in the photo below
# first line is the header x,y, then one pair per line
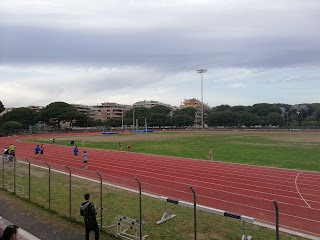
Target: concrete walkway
x,y
23,235
34,223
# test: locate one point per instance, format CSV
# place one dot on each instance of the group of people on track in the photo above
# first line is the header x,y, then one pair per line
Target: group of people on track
x,y
38,151
9,154
85,156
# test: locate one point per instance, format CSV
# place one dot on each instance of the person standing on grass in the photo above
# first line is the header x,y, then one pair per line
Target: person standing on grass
x,y
129,146
5,154
89,213
210,156
82,142
36,152
41,151
12,157
85,159
119,146
10,233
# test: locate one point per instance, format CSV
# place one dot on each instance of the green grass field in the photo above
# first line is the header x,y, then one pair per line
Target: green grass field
x,y
283,150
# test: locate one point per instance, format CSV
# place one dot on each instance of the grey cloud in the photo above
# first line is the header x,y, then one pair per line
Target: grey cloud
x,y
170,49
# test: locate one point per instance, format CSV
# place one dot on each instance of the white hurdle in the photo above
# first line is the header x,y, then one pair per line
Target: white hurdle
x,y
104,218
128,228
244,219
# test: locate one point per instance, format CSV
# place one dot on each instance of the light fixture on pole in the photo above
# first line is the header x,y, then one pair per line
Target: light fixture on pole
x,y
202,71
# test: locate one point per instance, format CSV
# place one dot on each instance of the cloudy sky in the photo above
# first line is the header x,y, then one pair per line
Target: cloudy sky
x,y
125,51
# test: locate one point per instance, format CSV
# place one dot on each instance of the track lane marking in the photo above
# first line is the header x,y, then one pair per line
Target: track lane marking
x,y
295,182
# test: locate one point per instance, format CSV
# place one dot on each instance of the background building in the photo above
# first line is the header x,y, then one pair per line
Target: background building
x,y
109,110
150,104
195,103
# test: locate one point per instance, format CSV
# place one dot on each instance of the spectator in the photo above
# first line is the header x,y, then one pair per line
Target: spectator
x,y
12,158
88,211
5,154
129,146
119,146
10,233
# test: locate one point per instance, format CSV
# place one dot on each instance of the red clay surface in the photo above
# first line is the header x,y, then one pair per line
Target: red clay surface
x,y
242,189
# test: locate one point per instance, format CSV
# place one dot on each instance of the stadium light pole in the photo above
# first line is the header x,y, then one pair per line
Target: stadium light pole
x,y
201,71
122,121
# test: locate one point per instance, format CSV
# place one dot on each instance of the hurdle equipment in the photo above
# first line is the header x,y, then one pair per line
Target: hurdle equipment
x,y
104,214
19,188
10,186
244,219
127,228
166,216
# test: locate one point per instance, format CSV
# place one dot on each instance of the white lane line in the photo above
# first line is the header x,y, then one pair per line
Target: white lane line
x,y
295,182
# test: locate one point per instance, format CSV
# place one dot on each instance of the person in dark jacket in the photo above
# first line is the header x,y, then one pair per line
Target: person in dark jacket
x,y
89,213
10,233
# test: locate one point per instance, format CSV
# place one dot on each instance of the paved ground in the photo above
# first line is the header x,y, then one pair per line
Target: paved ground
x,y
35,221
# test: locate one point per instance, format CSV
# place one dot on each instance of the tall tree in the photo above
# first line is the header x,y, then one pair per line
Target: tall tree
x,y
221,108
158,120
11,127
1,107
190,111
160,110
223,118
57,112
263,109
114,122
183,120
72,117
23,115
140,113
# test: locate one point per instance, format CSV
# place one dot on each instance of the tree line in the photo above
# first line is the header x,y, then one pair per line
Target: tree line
x,y
257,115
265,115
55,113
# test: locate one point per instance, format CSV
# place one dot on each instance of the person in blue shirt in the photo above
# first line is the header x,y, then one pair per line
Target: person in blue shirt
x,y
36,151
76,150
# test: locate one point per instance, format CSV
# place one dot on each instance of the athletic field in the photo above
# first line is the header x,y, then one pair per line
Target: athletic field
x,y
249,171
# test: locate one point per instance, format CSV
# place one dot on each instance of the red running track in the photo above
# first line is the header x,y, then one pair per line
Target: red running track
x,y
242,189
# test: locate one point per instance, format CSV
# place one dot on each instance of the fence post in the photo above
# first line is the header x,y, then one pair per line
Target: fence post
x,y
100,199
29,179
277,219
140,207
194,212
14,176
3,171
70,187
49,185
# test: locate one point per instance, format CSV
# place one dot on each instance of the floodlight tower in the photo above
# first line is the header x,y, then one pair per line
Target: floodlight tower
x,y
201,71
